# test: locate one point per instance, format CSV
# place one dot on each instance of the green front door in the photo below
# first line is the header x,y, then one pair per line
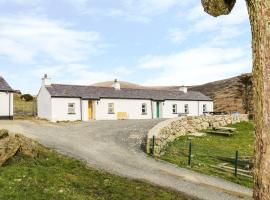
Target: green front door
x,y
158,110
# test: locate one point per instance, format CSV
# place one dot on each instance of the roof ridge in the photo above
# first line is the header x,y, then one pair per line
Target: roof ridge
x,y
93,86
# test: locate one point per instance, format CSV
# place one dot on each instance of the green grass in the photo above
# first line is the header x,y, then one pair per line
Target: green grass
x,y
206,149
53,176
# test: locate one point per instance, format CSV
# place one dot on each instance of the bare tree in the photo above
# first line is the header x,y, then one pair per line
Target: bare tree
x,y
259,15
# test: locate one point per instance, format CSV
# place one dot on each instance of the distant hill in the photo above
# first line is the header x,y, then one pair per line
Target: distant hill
x,y
229,95
124,84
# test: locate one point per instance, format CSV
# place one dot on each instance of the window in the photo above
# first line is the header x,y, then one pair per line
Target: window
x,y
204,108
144,109
71,108
186,109
111,108
174,108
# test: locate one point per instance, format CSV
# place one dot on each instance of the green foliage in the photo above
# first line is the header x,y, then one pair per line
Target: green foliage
x,y
27,97
53,176
205,151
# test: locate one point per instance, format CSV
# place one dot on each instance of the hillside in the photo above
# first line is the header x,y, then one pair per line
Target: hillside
x,y
124,84
229,95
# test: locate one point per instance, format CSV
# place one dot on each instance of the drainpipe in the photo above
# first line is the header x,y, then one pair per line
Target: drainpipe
x,y
198,108
9,102
81,110
152,111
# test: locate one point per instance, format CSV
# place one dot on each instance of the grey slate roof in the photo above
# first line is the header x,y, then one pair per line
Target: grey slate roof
x,y
4,86
94,92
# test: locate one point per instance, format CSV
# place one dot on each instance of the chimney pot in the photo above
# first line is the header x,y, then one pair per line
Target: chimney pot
x,y
183,89
116,85
46,81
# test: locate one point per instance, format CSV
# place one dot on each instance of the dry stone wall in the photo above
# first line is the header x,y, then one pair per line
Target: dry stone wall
x,y
169,130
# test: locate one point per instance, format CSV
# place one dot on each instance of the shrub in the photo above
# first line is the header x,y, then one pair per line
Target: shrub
x,y
27,97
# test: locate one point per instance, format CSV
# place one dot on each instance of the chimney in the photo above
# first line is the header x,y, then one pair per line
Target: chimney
x,y
46,81
183,89
116,85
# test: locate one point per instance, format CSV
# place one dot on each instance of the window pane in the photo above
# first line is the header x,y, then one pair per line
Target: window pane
x,y
174,108
111,108
186,108
144,108
204,108
71,108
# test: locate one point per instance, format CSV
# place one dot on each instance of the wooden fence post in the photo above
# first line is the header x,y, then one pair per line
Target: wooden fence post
x,y
236,163
190,153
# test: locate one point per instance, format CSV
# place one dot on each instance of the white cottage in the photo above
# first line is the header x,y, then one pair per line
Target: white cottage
x,y
73,102
6,100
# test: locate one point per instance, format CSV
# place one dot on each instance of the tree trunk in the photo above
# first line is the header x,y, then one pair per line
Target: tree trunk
x,y
259,13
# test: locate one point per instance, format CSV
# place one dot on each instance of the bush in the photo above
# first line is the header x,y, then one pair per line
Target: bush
x,y
27,97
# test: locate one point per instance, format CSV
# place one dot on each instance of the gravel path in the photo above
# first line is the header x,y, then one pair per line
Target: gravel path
x,y
116,146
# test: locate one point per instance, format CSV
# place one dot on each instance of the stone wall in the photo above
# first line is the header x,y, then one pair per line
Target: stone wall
x,y
169,130
24,108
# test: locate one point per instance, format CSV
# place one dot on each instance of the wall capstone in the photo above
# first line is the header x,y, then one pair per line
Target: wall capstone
x,y
171,129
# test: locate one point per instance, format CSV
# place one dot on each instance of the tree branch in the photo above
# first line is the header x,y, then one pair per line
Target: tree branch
x,y
218,7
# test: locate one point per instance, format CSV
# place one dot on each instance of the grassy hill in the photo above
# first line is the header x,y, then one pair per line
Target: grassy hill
x,y
54,176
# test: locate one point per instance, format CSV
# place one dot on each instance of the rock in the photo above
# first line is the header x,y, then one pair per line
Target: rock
x,y
197,134
168,131
28,147
13,144
3,133
205,125
8,148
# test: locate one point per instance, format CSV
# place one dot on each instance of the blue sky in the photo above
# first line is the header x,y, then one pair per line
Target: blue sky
x,y
150,42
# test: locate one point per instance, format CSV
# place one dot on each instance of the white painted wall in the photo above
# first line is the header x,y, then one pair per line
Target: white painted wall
x,y
60,109
44,104
195,108
6,104
84,110
56,109
132,107
209,106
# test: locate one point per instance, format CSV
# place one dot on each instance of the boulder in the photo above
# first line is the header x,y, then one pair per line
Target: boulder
x,y
8,148
3,133
10,145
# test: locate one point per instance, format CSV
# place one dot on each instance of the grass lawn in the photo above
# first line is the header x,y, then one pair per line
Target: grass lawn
x,y
206,149
53,176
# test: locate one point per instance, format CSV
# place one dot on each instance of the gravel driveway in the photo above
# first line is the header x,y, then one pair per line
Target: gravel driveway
x,y
115,146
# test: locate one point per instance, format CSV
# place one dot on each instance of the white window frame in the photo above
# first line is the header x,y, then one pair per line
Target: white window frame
x,y
71,108
144,109
174,108
204,108
186,109
110,108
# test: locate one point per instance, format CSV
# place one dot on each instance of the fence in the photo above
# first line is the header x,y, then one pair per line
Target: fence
x,y
214,160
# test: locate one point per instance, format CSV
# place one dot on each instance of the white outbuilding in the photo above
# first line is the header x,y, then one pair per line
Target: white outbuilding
x,y
6,100
57,102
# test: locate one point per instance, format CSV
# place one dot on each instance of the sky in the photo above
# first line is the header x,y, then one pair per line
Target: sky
x,y
148,42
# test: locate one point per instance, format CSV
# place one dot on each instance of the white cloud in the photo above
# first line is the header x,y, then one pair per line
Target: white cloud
x,y
193,57
123,71
196,65
20,1
132,10
73,74
202,22
33,39
177,35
